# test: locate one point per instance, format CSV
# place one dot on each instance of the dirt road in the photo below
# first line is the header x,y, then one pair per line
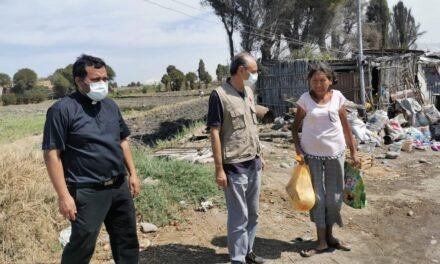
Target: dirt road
x,y
401,223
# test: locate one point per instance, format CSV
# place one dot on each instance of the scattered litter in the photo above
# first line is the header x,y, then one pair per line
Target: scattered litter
x,y
193,155
150,181
204,206
284,165
65,236
148,227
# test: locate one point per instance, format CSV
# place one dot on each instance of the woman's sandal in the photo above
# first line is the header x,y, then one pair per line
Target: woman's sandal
x,y
340,246
312,251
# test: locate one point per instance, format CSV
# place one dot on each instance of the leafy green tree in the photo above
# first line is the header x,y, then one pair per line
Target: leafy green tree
x,y
222,72
201,71
191,78
24,79
5,80
177,79
61,85
207,79
110,73
166,81
379,14
404,29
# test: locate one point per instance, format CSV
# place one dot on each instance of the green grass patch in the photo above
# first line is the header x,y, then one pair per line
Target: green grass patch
x,y
178,181
13,128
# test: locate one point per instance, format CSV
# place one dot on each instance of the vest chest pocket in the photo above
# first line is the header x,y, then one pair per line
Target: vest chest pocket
x,y
237,118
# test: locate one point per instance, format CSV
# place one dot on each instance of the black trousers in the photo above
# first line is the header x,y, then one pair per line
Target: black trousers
x,y
112,206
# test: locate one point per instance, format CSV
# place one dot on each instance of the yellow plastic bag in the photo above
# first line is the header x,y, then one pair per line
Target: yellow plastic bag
x,y
300,188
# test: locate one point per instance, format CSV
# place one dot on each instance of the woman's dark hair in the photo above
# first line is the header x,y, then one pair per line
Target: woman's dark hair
x,y
322,67
79,67
241,59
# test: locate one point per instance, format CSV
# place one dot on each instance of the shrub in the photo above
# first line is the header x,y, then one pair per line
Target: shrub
x,y
9,99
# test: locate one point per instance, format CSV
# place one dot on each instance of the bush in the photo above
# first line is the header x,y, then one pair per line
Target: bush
x,y
9,99
151,88
31,97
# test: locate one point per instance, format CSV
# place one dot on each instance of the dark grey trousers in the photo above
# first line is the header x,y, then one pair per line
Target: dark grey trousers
x,y
112,206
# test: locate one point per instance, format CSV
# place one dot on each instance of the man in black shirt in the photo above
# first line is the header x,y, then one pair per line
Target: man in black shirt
x,y
87,156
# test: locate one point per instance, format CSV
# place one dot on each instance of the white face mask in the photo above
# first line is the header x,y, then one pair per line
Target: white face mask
x,y
253,77
98,90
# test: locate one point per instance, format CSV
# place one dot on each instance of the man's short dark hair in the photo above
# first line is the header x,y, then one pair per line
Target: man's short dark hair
x,y
241,59
79,67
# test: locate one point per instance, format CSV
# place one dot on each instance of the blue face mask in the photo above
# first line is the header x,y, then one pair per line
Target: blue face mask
x,y
253,77
98,90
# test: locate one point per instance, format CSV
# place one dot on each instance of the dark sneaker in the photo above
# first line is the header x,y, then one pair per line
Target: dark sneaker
x,y
237,262
254,259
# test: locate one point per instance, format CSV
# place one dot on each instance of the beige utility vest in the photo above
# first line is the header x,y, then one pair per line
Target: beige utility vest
x,y
238,133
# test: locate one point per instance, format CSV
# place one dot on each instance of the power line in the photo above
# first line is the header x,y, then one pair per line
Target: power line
x,y
287,39
187,5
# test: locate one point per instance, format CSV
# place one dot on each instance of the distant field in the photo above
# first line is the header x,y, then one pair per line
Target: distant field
x,y
18,121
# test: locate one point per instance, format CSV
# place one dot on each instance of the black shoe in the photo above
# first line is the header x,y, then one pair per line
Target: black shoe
x,y
237,262
254,259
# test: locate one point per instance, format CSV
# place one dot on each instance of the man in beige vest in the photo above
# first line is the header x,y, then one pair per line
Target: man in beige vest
x,y
238,162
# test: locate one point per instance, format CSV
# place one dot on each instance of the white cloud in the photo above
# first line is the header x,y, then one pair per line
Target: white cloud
x,y
137,38
134,23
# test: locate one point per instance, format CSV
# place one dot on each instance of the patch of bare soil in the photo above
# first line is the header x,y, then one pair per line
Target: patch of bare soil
x,y
164,122
401,223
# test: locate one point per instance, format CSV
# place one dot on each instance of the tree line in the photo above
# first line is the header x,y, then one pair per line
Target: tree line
x,y
272,27
175,80
24,88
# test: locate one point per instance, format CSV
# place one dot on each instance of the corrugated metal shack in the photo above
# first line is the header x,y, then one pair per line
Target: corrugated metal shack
x,y
288,79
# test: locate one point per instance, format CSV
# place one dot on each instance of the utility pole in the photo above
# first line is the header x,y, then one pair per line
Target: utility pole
x,y
360,58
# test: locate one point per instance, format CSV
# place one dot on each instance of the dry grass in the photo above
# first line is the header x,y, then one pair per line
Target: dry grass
x,y
28,206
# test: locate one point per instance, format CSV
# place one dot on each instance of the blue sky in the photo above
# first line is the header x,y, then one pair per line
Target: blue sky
x,y
137,38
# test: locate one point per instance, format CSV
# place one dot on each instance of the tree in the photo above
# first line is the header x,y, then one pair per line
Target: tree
x,y
201,71
5,80
176,78
227,11
222,72
404,29
379,14
190,78
110,73
62,80
166,81
24,79
207,79
61,85
344,31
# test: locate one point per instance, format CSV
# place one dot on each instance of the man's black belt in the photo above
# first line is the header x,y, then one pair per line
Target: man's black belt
x,y
104,184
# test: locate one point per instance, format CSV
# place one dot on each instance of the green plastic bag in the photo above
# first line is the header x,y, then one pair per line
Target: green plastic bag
x,y
354,188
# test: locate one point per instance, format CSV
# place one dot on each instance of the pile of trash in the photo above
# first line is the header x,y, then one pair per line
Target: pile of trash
x,y
411,126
